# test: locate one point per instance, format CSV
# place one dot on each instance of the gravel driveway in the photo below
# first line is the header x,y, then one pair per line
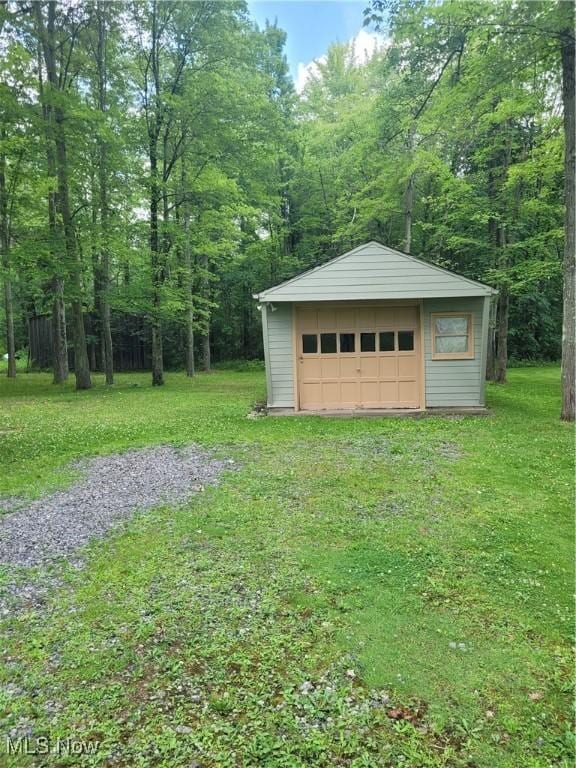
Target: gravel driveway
x,y
109,489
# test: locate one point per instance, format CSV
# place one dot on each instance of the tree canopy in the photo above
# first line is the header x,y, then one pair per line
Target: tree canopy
x,y
156,162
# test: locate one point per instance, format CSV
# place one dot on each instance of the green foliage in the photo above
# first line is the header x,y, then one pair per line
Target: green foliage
x,y
222,153
460,105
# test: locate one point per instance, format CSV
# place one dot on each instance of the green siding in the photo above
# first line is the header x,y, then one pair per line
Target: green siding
x,y
280,361
484,357
448,382
373,271
454,382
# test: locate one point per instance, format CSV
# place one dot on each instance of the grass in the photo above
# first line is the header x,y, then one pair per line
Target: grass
x,y
370,592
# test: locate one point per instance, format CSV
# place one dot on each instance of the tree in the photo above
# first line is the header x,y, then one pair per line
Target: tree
x,y
5,236
569,317
5,241
182,40
188,271
182,173
529,37
103,271
13,119
58,82
59,330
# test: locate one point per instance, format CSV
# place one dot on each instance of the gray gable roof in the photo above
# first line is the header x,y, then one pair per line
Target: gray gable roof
x,y
374,271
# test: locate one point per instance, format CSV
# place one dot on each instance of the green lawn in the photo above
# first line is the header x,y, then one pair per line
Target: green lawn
x,y
373,592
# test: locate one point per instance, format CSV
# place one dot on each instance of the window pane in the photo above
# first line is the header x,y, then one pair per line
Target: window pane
x,y
387,341
405,341
327,343
347,342
452,325
309,343
448,344
368,342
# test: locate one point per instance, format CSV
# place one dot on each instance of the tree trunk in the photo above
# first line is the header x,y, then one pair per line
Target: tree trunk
x,y
46,34
9,311
59,336
502,336
247,302
59,340
494,168
81,365
569,318
189,277
408,207
205,293
409,191
491,350
502,317
60,369
493,237
95,326
157,355
104,270
155,263
5,261
92,356
490,357
206,357
190,367
497,175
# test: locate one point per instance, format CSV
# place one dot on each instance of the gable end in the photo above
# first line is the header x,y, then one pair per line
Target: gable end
x,y
374,271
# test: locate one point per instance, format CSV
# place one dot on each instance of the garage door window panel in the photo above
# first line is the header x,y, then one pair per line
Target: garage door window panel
x,y
367,342
328,343
309,343
387,341
347,343
405,341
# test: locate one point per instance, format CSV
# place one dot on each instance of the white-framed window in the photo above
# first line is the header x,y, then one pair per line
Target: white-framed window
x,y
452,336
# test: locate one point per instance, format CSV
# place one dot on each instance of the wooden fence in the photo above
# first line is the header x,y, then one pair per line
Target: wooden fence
x,y
130,335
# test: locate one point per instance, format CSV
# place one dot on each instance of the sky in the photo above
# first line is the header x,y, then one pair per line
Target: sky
x,y
311,25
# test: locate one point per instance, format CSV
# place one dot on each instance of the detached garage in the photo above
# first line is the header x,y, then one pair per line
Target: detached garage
x,y
375,329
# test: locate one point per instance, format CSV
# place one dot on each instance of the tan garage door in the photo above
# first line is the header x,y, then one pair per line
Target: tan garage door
x,y
358,357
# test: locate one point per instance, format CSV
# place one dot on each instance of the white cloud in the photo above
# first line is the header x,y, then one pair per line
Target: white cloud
x,y
306,72
363,46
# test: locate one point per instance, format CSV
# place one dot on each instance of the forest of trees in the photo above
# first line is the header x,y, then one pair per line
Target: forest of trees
x,y
157,163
